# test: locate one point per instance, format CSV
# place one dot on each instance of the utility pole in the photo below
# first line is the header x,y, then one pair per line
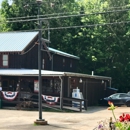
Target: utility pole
x,y
39,62
48,31
40,120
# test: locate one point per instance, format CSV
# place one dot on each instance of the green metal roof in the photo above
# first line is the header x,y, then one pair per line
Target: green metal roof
x,y
18,41
62,53
15,41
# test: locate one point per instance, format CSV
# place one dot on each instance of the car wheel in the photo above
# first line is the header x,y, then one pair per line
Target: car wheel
x,y
128,104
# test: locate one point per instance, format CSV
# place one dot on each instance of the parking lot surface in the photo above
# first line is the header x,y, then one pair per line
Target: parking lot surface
x,y
24,120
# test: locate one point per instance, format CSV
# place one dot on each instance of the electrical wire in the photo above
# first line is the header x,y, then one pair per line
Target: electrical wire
x,y
81,26
23,53
73,27
93,25
118,7
67,16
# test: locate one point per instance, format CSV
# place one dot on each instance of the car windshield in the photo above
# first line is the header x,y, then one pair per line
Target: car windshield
x,y
128,93
114,96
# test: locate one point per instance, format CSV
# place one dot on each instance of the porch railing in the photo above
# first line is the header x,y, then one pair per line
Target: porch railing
x,y
65,104
69,101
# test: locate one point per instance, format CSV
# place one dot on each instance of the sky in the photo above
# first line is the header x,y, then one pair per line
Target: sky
x,y
2,0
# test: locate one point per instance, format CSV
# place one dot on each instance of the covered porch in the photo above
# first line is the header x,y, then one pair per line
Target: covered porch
x,y
55,84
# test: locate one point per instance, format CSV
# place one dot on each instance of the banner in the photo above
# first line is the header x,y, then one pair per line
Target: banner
x,y
50,99
8,95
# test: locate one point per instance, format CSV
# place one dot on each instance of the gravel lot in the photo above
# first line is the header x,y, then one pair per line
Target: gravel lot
x,y
24,120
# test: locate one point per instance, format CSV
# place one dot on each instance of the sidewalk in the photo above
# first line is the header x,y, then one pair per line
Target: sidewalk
x,y
23,120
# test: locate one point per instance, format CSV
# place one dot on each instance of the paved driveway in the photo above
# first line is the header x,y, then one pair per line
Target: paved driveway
x,y
23,120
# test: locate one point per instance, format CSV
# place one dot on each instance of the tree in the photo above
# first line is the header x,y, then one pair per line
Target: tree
x,y
102,48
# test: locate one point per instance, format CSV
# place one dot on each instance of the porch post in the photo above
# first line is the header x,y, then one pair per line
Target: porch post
x,y
61,94
86,100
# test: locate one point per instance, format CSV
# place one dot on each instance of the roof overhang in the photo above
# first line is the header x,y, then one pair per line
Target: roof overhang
x,y
87,76
46,73
28,72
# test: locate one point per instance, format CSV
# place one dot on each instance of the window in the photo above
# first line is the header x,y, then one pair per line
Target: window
x,y
43,64
124,95
5,60
63,62
115,96
71,64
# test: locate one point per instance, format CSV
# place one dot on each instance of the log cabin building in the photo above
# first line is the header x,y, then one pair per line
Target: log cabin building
x,y
19,70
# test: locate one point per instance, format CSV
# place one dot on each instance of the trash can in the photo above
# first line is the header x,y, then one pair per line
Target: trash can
x,y
0,103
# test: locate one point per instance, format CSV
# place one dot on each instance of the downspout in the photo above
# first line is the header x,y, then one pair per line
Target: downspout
x,y
110,83
52,65
61,93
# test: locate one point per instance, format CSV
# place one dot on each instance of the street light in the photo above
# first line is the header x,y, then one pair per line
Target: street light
x,y
40,120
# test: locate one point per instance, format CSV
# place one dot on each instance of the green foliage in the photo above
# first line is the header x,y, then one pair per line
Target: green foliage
x,y
122,126
102,49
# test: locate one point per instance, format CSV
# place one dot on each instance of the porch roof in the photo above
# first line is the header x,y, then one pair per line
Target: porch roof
x,y
34,72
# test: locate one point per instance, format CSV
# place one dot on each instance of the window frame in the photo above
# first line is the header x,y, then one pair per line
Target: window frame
x,y
5,60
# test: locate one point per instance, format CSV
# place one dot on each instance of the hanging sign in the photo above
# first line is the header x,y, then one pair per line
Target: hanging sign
x,y
36,86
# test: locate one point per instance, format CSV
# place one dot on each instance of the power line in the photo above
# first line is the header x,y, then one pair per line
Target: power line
x,y
23,53
66,16
118,7
53,14
93,25
80,26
